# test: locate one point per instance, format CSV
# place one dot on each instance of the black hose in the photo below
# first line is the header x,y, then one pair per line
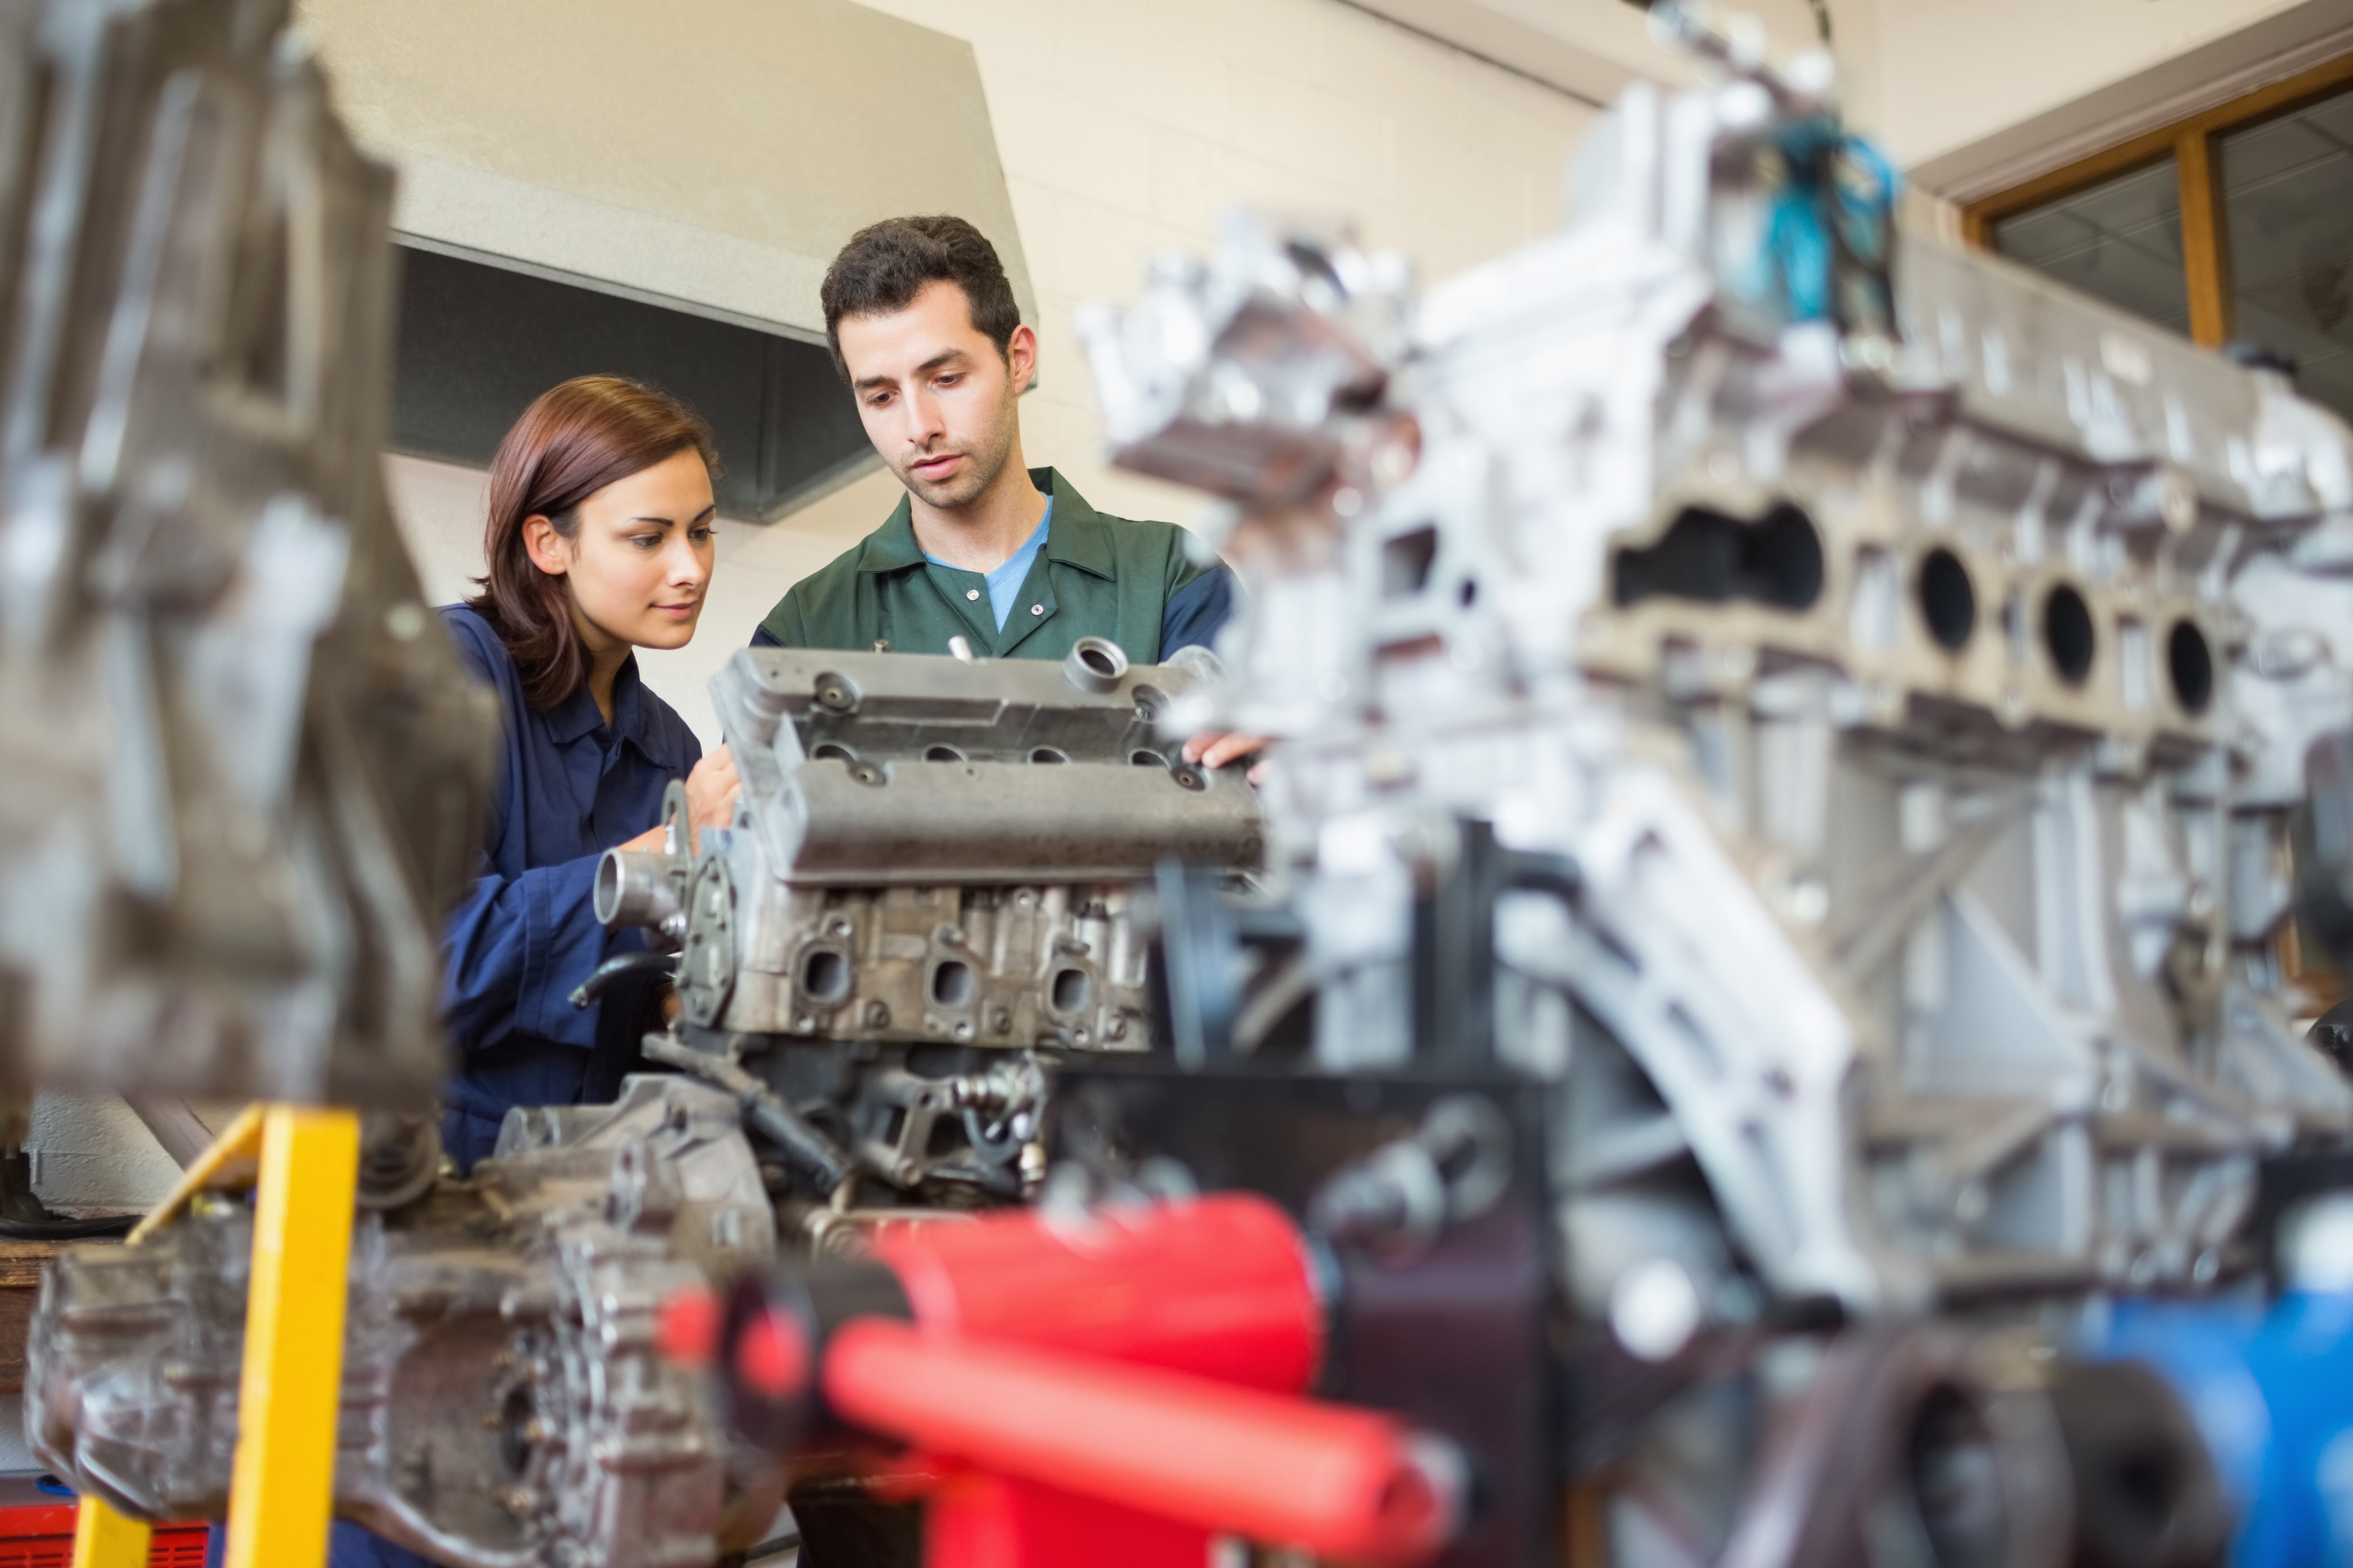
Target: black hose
x,y
585,996
818,1156
67,1229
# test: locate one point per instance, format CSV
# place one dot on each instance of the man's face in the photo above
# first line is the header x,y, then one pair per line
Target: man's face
x,y
937,398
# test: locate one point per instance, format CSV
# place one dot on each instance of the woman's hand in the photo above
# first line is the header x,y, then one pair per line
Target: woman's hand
x,y
711,791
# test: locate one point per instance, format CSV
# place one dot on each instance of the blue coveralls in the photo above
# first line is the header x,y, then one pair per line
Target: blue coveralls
x,y
568,788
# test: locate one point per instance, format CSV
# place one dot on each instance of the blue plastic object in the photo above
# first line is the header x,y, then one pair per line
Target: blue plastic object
x,y
2270,1390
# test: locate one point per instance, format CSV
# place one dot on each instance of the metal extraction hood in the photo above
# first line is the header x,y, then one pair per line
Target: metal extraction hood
x,y
705,156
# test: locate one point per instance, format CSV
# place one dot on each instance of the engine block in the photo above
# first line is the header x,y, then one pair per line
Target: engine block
x,y
1914,661
504,1402
933,850
244,771
933,875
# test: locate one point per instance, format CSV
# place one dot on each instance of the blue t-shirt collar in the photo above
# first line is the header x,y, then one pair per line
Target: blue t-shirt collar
x,y
1004,581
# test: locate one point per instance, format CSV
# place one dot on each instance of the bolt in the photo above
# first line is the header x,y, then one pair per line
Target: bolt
x,y
878,1015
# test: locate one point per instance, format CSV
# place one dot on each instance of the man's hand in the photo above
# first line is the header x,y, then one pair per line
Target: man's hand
x,y
1215,748
711,791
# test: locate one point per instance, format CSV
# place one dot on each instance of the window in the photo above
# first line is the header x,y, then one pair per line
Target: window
x,y
2233,225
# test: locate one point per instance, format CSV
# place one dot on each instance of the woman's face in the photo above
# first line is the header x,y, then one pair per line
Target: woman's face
x,y
640,563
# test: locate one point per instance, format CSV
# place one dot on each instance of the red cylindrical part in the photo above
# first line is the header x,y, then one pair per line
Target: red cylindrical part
x,y
1220,1287
1341,1483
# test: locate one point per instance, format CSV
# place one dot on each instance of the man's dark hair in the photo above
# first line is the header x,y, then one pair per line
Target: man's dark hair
x,y
885,266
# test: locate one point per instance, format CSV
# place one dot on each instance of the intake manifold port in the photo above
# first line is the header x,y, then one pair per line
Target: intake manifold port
x,y
1948,601
1096,665
2068,634
951,984
1712,558
1071,991
825,976
2190,664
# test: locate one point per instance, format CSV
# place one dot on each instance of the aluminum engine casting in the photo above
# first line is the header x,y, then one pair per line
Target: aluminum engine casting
x,y
241,769
1825,712
931,873
1918,703
504,1404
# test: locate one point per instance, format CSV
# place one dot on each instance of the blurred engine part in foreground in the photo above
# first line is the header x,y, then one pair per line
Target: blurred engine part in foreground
x,y
241,769
1820,715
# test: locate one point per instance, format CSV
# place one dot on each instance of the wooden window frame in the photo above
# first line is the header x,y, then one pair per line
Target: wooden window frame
x,y
2190,143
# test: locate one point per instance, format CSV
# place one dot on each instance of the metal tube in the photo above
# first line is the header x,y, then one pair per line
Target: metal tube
x,y
636,887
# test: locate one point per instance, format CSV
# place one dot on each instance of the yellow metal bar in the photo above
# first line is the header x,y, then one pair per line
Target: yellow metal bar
x,y
281,1494
228,1163
104,1538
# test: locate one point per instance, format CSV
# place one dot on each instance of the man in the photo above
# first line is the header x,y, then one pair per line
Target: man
x,y
923,328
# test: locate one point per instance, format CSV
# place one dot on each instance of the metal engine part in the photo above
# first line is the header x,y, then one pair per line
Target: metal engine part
x,y
933,850
503,1403
1920,701
934,862
241,769
1827,711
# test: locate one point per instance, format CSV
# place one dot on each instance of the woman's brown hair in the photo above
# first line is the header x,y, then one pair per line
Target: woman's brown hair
x,y
573,441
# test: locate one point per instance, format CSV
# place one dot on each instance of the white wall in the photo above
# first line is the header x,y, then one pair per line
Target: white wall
x,y
1971,95
1949,73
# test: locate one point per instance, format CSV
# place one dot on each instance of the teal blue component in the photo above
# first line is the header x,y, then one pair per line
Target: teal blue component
x,y
1829,236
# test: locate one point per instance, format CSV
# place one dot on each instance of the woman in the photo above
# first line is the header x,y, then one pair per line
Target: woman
x,y
599,541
